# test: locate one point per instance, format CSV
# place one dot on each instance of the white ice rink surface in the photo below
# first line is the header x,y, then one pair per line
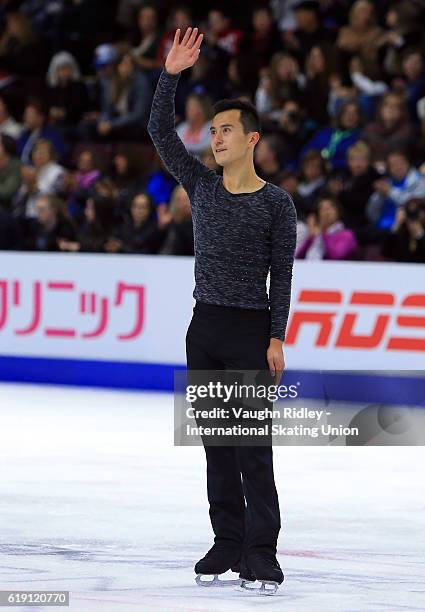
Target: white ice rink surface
x,y
96,500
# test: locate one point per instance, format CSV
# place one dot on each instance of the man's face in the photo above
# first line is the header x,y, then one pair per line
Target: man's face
x,y
398,166
229,143
32,118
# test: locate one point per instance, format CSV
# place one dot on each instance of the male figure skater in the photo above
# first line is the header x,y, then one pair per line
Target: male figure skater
x,y
243,227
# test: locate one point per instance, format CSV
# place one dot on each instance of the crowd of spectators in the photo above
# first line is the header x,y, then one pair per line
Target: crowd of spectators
x,y
339,85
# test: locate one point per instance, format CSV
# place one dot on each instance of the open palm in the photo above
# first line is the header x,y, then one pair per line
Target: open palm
x,y
185,53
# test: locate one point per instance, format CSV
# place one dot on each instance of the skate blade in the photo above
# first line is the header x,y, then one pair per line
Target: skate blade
x,y
215,582
268,587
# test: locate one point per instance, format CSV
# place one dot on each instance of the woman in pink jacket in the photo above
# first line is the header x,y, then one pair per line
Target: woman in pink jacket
x,y
327,236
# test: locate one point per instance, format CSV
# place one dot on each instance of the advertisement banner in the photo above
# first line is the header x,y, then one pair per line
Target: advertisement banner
x,y
137,309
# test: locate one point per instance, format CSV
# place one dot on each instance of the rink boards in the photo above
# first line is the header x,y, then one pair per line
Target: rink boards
x,y
121,320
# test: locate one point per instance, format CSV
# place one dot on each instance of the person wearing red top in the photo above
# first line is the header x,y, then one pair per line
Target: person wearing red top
x,y
221,33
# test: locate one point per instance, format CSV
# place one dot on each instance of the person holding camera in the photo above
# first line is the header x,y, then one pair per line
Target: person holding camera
x,y
406,241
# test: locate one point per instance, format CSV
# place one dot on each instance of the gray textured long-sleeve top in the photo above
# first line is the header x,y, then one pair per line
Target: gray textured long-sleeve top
x,y
238,237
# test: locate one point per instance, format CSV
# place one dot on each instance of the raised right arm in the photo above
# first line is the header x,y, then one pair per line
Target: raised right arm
x,y
185,168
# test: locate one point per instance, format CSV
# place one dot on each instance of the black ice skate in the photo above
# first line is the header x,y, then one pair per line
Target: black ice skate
x,y
265,568
218,560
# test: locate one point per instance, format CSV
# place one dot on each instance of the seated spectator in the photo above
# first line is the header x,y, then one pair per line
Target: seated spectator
x,y
328,238
44,177
403,183
148,38
242,79
406,240
294,130
24,202
413,80
195,130
20,51
334,141
77,186
309,32
220,31
139,232
106,58
50,226
177,223
362,37
354,189
67,95
126,97
391,130
403,22
97,229
10,171
284,81
267,157
365,91
289,181
49,172
125,178
263,40
8,125
87,171
35,127
316,90
313,180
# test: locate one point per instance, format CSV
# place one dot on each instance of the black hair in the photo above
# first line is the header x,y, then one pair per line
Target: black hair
x,y
249,115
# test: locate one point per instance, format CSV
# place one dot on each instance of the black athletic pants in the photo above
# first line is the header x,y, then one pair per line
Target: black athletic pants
x,y
228,338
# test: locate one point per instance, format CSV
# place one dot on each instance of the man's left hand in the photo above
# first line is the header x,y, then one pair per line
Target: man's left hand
x,y
276,359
